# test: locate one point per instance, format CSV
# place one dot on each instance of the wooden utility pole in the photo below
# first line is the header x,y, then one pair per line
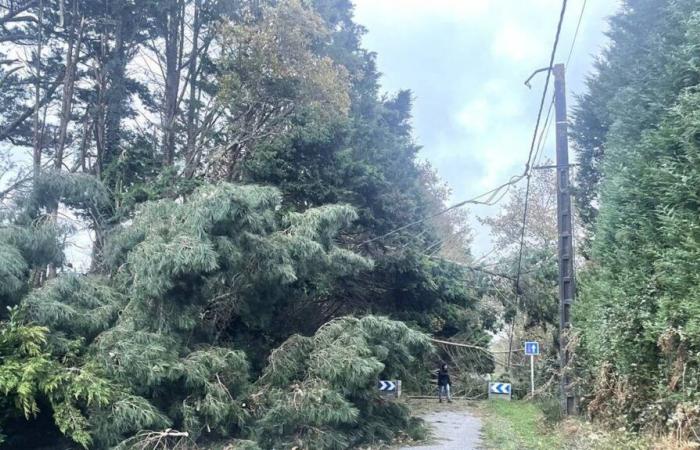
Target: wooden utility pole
x,y
565,239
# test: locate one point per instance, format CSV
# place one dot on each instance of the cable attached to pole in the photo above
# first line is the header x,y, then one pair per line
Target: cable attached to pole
x,y
528,165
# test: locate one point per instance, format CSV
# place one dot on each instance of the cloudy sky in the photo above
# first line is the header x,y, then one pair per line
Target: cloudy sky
x,y
466,61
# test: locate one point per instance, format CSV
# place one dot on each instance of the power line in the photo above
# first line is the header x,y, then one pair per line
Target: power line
x,y
578,27
492,194
532,146
481,268
473,347
491,199
545,132
542,141
522,238
439,242
546,87
543,135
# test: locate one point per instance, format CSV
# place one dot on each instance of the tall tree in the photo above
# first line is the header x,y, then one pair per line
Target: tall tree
x,y
637,306
201,289
643,40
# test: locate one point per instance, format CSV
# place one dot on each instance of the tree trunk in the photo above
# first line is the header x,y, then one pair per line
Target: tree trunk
x,y
510,344
115,95
37,134
173,22
72,56
190,153
99,123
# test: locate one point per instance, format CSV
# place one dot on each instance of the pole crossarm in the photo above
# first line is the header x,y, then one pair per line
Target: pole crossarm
x,y
554,166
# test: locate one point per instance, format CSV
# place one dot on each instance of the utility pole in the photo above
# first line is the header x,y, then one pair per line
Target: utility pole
x,y
565,238
532,376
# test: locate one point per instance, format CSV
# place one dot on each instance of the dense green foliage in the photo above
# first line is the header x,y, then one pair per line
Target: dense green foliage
x,y
637,131
240,289
29,372
528,312
156,346
318,392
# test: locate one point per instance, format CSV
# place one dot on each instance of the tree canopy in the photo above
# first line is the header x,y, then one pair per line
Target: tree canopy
x,y
234,170
635,131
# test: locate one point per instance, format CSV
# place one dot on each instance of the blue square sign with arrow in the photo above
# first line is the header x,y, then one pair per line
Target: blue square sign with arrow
x,y
532,348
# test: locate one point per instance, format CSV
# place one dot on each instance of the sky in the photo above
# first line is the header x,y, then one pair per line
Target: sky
x,y
466,62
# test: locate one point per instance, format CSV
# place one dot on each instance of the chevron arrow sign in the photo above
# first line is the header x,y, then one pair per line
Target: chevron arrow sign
x,y
500,388
387,386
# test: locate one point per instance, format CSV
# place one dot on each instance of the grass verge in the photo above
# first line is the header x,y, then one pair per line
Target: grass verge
x,y
518,425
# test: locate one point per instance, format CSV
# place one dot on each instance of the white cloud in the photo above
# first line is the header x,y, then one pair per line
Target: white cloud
x,y
490,109
421,10
466,61
515,43
475,116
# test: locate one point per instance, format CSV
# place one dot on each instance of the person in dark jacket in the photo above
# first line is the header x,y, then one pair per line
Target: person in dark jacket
x,y
444,382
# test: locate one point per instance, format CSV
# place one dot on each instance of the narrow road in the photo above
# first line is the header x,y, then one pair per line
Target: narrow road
x,y
454,429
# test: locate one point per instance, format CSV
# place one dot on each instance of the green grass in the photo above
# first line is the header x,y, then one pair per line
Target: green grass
x,y
518,425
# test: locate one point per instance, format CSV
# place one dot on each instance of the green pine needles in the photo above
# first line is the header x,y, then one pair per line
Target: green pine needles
x,y
320,392
235,296
152,346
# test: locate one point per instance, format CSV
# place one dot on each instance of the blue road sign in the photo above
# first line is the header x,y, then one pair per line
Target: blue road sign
x,y
387,385
532,348
500,388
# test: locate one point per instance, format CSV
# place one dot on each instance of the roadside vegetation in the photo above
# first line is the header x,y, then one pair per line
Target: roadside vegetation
x,y
517,425
636,135
523,425
233,173
635,339
261,242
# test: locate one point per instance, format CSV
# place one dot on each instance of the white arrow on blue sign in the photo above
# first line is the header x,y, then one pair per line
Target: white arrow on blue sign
x,y
500,388
387,386
532,348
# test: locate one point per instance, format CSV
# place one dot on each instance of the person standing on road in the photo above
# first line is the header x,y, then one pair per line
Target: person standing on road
x,y
444,383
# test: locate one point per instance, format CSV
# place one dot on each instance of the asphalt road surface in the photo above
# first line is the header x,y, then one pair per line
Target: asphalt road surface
x,y
452,430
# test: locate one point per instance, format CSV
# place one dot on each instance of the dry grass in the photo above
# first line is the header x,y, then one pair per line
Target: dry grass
x,y
587,436
520,425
